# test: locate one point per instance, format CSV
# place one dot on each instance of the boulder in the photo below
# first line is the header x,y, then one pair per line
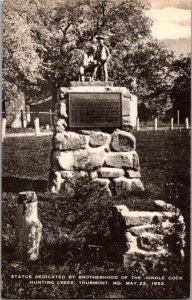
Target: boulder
x,y
67,174
110,172
70,141
98,138
135,218
123,160
139,230
93,175
123,141
66,160
124,186
55,182
60,126
63,109
119,209
89,159
132,174
163,206
102,184
150,241
54,160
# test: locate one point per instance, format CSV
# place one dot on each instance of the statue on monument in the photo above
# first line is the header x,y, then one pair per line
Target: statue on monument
x,y
87,63
102,56
95,61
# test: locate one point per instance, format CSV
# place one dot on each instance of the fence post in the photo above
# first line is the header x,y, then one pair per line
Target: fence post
x,y
28,117
178,121
186,123
29,228
37,129
22,119
155,124
4,121
50,118
137,124
171,123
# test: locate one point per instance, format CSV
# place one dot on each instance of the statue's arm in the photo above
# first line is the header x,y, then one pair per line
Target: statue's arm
x,y
108,54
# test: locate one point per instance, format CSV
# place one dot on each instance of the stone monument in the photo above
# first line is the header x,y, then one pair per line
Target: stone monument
x,y
89,138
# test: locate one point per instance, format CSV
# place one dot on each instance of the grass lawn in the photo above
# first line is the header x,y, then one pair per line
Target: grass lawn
x,y
70,225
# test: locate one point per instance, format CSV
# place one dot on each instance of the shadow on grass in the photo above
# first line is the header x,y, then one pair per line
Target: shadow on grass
x,y
17,184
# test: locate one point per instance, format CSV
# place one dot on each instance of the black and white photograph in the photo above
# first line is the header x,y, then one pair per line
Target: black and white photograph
x,y
96,136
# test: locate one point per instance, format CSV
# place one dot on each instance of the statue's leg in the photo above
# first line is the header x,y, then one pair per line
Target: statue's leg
x,y
94,76
105,71
99,73
81,72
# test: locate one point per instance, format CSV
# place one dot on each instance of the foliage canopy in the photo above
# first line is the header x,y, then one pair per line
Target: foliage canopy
x,y
43,42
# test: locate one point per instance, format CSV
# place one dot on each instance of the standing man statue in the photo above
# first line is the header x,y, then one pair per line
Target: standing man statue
x,y
102,56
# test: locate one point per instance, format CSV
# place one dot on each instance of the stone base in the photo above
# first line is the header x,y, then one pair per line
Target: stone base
x,y
94,153
139,236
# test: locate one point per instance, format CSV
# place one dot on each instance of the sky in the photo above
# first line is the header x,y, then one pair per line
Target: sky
x,y
172,23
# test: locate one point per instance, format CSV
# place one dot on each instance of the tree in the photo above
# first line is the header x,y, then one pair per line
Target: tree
x,y
43,42
181,90
21,63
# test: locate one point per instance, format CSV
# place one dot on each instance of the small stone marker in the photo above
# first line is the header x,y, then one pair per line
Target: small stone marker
x,y
171,123
28,116
29,228
137,124
37,129
186,123
178,118
155,124
3,128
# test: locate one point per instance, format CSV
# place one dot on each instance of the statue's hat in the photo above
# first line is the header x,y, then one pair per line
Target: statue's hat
x,y
100,37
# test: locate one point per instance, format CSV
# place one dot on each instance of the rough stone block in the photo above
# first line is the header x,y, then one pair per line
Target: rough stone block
x,y
63,110
123,141
89,159
150,241
135,218
70,141
142,236
93,175
60,126
54,161
55,181
163,206
123,160
139,230
98,138
66,160
67,174
132,174
102,184
123,186
110,172
119,209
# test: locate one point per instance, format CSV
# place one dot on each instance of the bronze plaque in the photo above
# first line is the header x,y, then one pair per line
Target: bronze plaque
x,y
95,110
